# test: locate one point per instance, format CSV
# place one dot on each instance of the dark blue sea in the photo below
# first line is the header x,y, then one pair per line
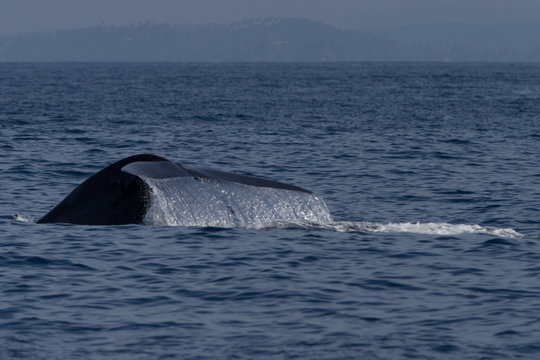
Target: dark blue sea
x,y
431,174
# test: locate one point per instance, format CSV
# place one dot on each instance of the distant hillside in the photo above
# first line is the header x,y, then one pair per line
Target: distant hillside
x,y
468,42
264,40
275,40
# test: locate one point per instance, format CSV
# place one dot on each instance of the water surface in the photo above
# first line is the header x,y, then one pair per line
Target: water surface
x,y
430,172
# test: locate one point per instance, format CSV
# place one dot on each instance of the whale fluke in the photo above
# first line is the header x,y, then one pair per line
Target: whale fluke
x,y
121,194
167,169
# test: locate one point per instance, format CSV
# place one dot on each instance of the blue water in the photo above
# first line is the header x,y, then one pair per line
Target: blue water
x,y
430,171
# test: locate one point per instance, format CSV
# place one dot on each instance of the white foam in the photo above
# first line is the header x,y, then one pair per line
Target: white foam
x,y
429,228
22,218
185,201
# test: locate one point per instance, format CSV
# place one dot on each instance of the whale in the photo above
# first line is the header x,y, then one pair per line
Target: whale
x,y
120,194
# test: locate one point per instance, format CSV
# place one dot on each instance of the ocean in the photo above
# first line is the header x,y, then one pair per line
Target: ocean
x,y
430,172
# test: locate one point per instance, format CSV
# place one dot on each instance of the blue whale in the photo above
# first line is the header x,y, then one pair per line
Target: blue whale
x,y
118,194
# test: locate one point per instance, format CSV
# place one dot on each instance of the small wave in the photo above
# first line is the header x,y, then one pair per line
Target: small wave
x,y
408,227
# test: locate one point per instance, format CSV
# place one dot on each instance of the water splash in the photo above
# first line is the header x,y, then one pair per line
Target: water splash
x,y
408,227
22,218
187,201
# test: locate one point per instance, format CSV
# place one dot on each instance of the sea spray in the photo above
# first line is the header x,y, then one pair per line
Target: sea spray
x,y
428,228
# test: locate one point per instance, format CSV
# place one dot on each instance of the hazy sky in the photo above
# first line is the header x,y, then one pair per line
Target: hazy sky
x,y
34,15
